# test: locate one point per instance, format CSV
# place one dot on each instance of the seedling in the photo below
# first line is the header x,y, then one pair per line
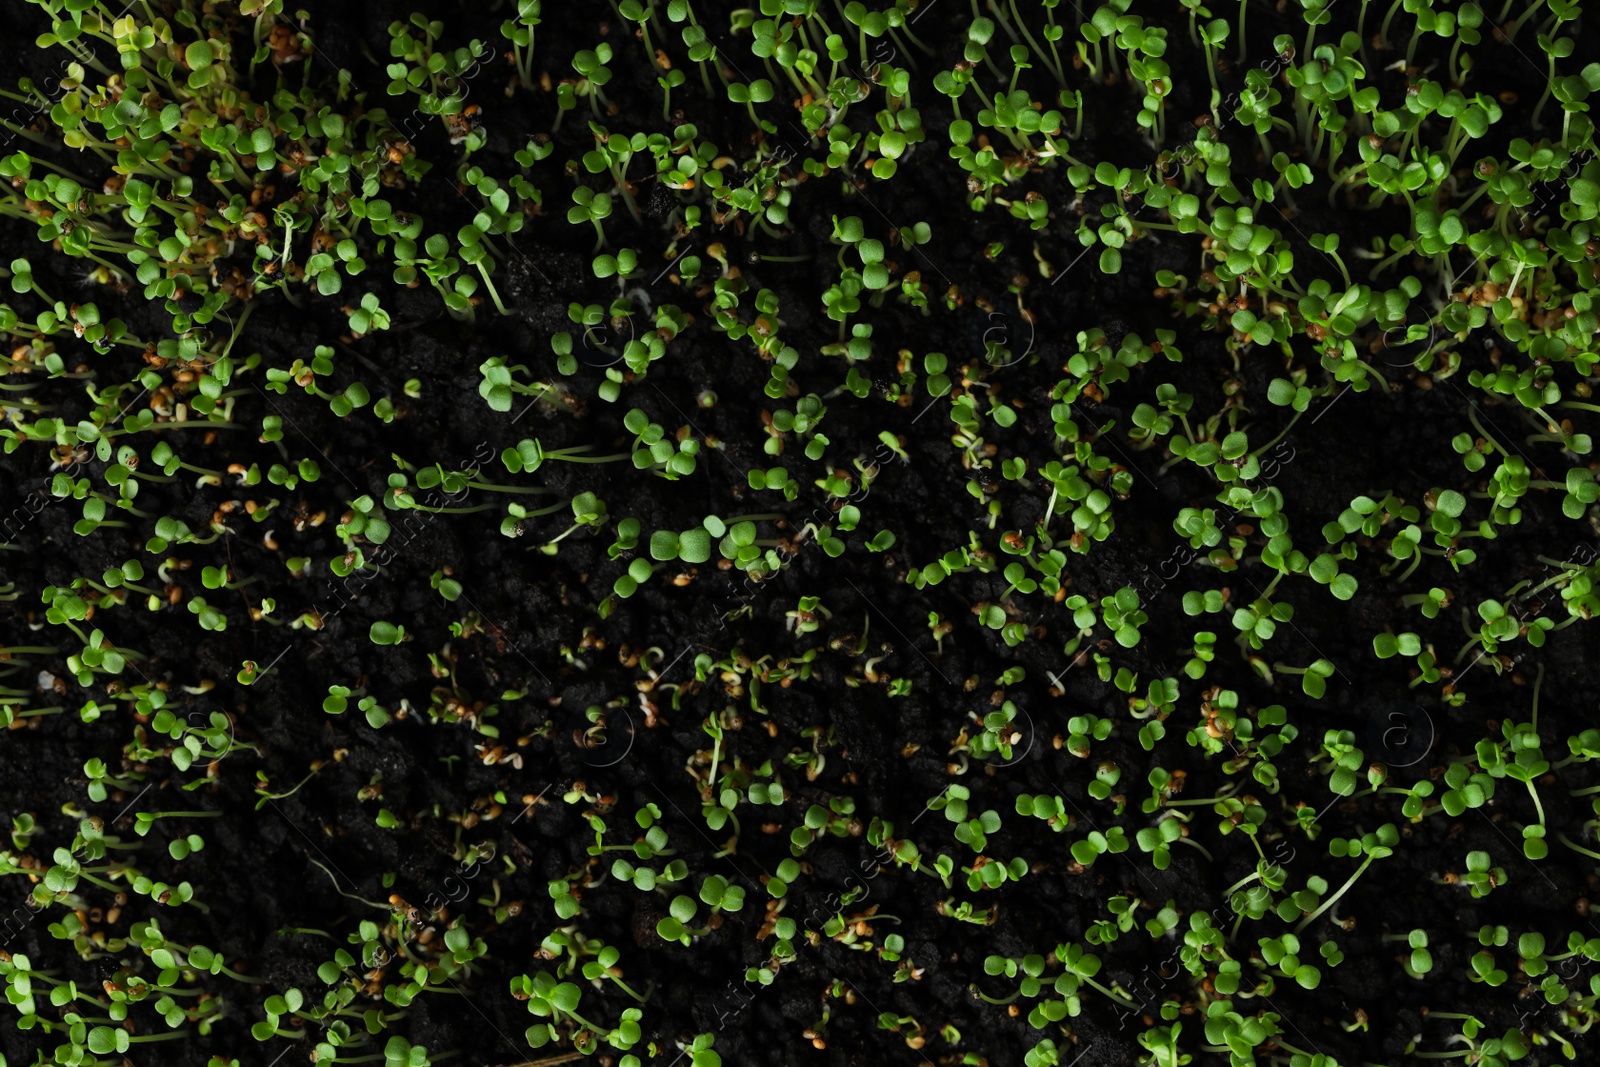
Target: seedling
x,y
997,734
807,617
1122,615
720,895
557,1001
653,452
144,820
337,701
101,780
1082,730
387,633
1374,846
444,585
1283,953
674,927
1419,961
1087,850
1481,878
786,873
604,966
647,878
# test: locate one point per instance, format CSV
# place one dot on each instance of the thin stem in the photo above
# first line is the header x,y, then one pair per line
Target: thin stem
x,y
1241,883
372,903
236,976
1335,898
1472,414
620,984
1034,45
1538,680
1536,804
451,511
1272,443
1193,803
1516,27
1565,840
527,489
1113,997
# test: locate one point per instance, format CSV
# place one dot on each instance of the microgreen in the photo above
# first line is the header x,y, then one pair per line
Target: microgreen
x,y
1479,243
386,633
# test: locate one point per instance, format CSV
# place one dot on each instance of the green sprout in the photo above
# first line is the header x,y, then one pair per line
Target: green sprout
x,y
386,633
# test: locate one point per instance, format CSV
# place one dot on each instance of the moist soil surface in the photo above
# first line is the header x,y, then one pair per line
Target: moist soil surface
x,y
538,632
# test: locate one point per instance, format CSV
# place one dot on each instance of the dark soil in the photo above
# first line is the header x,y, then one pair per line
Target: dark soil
x,y
540,634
